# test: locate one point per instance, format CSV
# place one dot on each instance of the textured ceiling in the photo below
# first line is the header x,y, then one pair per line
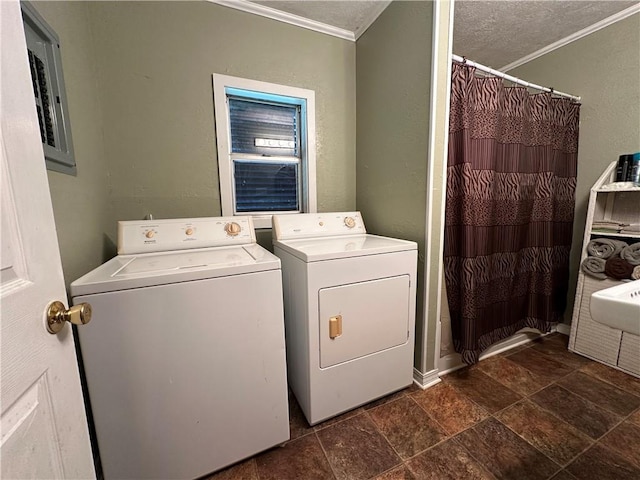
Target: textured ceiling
x,y
494,33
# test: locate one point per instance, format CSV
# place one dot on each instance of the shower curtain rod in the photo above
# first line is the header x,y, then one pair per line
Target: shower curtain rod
x,y
497,73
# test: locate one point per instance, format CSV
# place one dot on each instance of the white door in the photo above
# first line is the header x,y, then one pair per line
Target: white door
x,y
43,422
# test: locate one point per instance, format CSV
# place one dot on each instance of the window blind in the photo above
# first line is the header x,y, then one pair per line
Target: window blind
x,y
266,186
251,120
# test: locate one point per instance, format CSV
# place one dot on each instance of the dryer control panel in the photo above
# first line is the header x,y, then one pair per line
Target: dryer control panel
x,y
309,225
146,236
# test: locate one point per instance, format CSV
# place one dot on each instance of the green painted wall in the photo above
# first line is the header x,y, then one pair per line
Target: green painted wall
x,y
604,69
393,71
139,84
156,62
80,203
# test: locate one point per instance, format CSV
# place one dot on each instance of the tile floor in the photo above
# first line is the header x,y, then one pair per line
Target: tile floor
x,y
534,412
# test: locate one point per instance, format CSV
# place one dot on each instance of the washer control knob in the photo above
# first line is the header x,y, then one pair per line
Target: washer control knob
x,y
349,222
189,231
150,234
232,229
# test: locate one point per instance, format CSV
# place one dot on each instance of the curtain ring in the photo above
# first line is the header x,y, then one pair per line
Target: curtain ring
x,y
464,60
552,90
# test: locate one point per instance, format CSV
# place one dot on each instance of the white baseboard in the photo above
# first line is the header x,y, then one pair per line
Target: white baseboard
x,y
563,328
453,362
426,380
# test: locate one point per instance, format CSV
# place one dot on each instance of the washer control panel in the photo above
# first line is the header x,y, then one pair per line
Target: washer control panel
x,y
308,225
146,236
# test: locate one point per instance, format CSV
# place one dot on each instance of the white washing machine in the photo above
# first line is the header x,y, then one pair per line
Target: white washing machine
x,y
349,311
185,354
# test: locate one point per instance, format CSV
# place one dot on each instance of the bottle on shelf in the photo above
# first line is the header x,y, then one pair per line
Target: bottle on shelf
x,y
633,170
623,167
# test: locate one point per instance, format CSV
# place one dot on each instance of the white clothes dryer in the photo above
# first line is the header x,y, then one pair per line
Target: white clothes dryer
x,y
349,300
184,357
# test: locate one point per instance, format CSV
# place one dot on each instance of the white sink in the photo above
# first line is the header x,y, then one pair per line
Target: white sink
x,y
618,307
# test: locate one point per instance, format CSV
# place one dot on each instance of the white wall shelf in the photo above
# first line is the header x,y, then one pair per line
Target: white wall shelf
x,y
596,233
607,202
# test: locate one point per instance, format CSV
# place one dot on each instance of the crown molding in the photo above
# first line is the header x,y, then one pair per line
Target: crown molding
x,y
573,37
291,19
372,17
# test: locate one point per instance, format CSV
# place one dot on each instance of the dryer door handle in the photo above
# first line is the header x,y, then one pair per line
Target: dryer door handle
x,y
335,327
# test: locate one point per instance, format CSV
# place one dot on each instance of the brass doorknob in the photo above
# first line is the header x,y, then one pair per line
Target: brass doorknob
x,y
57,315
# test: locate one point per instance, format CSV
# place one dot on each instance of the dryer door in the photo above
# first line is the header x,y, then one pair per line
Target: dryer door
x,y
367,317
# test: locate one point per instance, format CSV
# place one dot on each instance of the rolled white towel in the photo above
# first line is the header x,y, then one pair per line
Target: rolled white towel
x,y
594,267
636,273
604,247
631,253
619,245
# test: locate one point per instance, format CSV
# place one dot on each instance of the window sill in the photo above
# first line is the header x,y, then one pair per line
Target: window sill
x,y
262,222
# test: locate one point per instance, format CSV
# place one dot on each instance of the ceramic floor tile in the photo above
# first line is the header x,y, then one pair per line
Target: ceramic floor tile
x,y
407,427
387,399
578,412
547,427
482,389
601,393
300,458
620,379
624,440
635,418
556,337
556,439
447,461
555,346
399,473
449,407
413,388
241,471
512,375
356,450
516,349
298,425
339,418
598,463
505,454
563,475
540,364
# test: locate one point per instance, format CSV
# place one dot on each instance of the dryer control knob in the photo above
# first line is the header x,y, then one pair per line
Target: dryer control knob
x,y
349,222
232,229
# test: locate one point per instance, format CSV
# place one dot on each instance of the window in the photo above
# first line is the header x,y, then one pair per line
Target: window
x,y
266,148
48,88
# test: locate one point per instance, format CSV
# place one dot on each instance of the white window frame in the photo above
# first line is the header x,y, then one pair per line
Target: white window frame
x,y
307,196
37,31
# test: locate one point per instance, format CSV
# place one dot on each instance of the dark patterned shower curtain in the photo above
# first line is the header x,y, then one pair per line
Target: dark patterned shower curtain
x,y
511,181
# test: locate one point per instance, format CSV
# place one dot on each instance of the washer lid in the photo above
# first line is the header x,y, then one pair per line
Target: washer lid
x,y
329,248
144,270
